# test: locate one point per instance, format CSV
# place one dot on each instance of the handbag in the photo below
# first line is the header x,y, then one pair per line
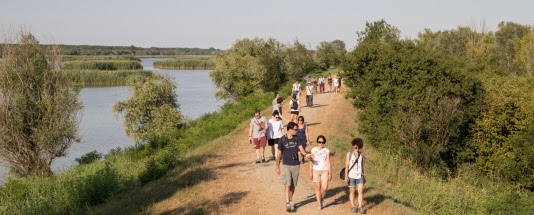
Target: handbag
x,y
342,173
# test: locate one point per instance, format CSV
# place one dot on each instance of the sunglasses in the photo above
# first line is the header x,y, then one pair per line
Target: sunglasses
x,y
296,129
320,142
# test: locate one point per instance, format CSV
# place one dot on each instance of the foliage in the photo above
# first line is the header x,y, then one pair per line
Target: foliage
x,y
330,54
103,65
507,45
105,78
187,62
88,158
250,66
298,61
410,98
152,110
39,109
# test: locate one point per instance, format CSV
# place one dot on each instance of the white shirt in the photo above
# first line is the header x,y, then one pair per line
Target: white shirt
x,y
275,129
336,82
296,87
319,161
309,90
291,105
356,171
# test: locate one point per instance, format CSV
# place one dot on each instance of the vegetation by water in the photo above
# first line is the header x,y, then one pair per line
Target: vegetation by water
x,y
105,78
103,65
67,58
187,63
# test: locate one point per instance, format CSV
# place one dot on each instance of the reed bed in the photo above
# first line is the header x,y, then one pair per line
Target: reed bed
x,y
187,62
105,78
103,65
68,58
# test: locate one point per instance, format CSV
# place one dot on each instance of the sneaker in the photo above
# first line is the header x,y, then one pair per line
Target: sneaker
x,y
354,210
288,207
263,159
319,208
271,158
292,207
361,211
257,161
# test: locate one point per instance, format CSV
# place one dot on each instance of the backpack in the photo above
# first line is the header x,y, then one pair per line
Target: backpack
x,y
294,105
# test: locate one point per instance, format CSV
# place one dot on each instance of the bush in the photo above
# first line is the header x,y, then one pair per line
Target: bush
x,y
88,158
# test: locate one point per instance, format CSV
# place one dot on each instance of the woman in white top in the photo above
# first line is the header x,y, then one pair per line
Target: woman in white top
x,y
336,84
294,107
355,174
320,170
274,133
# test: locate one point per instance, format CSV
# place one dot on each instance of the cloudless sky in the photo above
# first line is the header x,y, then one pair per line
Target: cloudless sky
x,y
219,23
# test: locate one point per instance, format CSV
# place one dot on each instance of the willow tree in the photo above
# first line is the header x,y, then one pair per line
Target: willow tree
x,y
38,109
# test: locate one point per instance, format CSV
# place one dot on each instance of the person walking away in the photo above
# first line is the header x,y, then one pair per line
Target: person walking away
x,y
296,88
303,135
314,84
276,105
321,84
280,102
320,170
256,135
274,133
309,95
355,174
294,108
288,149
339,87
336,84
329,82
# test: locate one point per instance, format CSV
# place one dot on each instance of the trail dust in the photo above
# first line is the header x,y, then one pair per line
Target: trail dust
x,y
236,185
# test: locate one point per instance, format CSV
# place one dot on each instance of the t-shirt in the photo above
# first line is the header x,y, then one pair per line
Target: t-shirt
x,y
275,129
321,80
296,87
309,90
319,160
289,149
257,131
275,104
336,81
356,171
291,105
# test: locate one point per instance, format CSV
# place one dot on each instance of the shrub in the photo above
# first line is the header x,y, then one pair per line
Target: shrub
x,y
88,158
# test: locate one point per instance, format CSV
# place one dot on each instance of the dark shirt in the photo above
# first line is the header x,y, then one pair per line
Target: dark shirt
x,y
301,134
289,149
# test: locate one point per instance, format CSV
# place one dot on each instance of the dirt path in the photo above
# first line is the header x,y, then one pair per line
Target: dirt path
x,y
237,185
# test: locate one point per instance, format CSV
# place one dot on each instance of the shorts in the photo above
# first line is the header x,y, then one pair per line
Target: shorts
x,y
295,112
271,142
353,182
320,175
259,142
290,175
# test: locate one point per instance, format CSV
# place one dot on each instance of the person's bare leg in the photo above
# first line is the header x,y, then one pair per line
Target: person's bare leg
x,y
360,195
324,187
288,193
318,195
258,154
262,152
275,150
352,190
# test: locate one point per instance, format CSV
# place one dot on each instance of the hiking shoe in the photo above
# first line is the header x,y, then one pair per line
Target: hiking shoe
x,y
354,210
288,207
361,211
257,161
263,159
292,207
271,158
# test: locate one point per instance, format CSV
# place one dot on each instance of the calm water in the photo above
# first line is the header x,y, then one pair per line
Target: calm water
x,y
101,131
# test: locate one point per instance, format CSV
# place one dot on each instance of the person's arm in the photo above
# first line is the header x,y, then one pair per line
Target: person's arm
x,y
311,170
329,166
250,133
301,149
363,168
307,136
347,167
266,127
298,106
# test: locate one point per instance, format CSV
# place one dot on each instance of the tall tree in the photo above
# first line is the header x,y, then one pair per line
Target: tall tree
x,y
330,54
298,60
38,109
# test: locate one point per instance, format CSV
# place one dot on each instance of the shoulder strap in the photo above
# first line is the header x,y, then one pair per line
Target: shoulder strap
x,y
354,164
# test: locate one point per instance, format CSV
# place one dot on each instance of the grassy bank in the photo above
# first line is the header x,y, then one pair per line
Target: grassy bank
x,y
103,65
82,187
187,62
105,78
68,58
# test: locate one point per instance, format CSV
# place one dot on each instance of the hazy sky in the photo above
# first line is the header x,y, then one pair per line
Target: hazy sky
x,y
219,23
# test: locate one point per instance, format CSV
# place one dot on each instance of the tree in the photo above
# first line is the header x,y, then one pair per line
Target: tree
x,y
330,53
249,66
507,44
151,112
38,120
298,61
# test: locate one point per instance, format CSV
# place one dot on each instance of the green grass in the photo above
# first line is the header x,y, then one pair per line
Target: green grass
x,y
105,78
67,58
103,65
187,62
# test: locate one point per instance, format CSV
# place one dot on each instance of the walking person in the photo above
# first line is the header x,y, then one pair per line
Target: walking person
x,y
256,135
329,82
303,135
274,133
321,84
309,95
288,149
296,88
276,105
355,174
314,83
336,84
294,108
320,170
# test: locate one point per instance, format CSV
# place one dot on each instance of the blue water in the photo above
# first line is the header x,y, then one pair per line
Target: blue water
x,y
101,131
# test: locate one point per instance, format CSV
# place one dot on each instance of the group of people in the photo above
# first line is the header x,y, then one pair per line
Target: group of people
x,y
289,147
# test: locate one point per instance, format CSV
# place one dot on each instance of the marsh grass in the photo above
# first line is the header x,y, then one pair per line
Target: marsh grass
x,y
105,78
103,65
187,62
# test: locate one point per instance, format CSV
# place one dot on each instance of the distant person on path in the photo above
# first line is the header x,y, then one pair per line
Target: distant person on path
x,y
336,84
303,135
288,149
274,133
314,84
329,82
276,105
339,87
294,108
309,95
256,135
321,84
280,102
296,88
355,174
320,170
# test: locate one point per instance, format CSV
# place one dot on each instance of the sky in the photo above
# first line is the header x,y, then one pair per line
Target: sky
x,y
219,23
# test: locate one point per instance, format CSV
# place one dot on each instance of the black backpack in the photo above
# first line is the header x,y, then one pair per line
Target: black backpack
x,y
294,105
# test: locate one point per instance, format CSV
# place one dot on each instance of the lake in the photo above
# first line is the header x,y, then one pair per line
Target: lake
x,y
99,130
